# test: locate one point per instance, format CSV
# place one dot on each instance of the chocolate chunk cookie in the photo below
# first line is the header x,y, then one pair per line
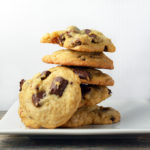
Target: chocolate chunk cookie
x,y
74,58
86,40
93,115
91,76
93,94
49,99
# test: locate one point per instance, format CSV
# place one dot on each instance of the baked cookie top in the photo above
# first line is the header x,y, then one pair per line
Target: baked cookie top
x,y
93,115
93,94
86,40
49,99
84,59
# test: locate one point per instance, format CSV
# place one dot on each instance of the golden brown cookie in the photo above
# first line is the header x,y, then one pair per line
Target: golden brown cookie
x,y
93,115
74,58
86,40
91,76
49,99
93,94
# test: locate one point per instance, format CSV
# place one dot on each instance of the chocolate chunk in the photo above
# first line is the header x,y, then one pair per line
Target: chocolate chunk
x,y
61,39
36,98
71,83
112,118
76,43
21,84
92,35
93,38
45,74
93,41
83,74
85,89
106,49
41,94
69,34
109,91
87,31
37,88
105,108
58,86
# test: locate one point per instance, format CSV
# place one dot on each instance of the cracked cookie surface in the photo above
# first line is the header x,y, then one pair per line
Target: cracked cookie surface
x,y
86,40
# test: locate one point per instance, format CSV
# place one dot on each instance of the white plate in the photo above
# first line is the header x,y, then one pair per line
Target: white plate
x,y
135,120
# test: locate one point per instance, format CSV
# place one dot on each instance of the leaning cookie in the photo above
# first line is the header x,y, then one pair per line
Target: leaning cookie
x,y
93,94
94,115
83,59
86,40
49,99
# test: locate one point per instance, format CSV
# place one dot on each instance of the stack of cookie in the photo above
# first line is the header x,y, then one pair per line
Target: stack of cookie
x,y
67,95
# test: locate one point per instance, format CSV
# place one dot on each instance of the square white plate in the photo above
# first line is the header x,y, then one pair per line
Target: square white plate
x,y
135,119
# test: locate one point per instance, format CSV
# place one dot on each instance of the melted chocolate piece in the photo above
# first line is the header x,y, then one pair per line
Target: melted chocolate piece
x,y
36,98
58,86
105,108
83,74
21,84
109,91
93,38
61,39
45,74
77,42
87,31
37,88
85,89
106,49
69,33
92,35
112,118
